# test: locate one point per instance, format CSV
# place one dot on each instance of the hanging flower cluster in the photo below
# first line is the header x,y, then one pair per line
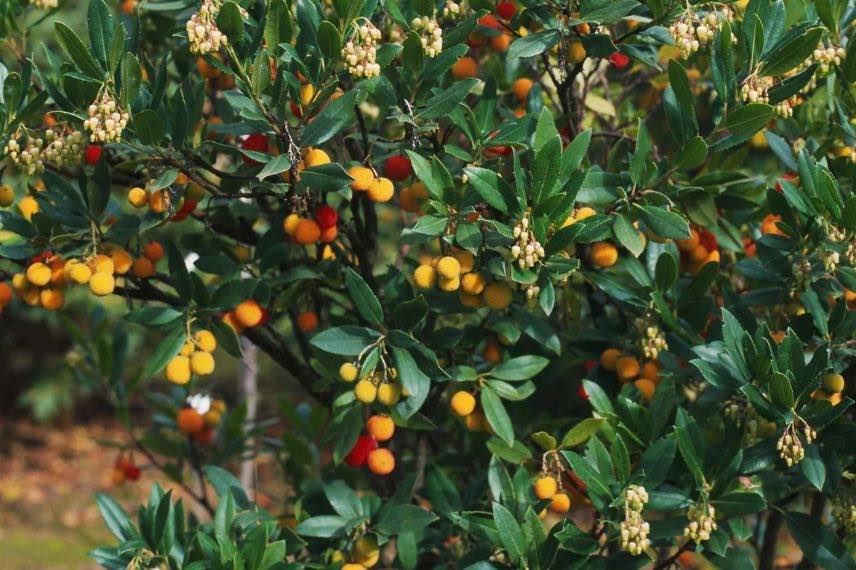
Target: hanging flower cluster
x,y
106,119
634,529
202,31
692,30
360,53
527,250
28,160
430,34
64,149
702,521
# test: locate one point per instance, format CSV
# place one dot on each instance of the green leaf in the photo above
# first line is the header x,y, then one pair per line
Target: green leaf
x,y
150,127
346,340
666,271
533,44
329,40
680,83
813,468
581,432
628,235
276,165
739,503
510,533
781,391
520,368
413,380
663,222
544,440
605,11
598,399
787,56
399,518
343,499
166,350
497,416
589,476
818,543
334,117
689,452
78,53
364,298
693,154
486,183
230,21
115,518
179,276
446,101
100,23
324,526
748,119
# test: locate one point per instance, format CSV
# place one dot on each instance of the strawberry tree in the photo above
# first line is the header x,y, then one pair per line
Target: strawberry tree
x,y
564,285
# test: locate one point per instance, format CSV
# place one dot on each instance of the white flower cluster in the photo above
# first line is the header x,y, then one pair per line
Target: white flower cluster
x,y
790,445
831,259
755,89
634,529
843,510
851,253
453,10
785,109
527,251
106,119
29,160
202,30
430,33
702,522
827,56
653,342
45,4
64,149
532,292
360,52
692,30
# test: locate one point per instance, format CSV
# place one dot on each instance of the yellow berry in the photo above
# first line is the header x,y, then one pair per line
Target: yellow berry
x,y
7,196
833,383
205,340
497,295
561,503
348,372
101,283
604,254
316,157
29,207
289,224
381,190
178,370
449,284
425,277
389,394
546,487
449,268
307,94
201,362
363,178
138,197
463,403
466,259
38,274
472,283
365,391
366,551
122,261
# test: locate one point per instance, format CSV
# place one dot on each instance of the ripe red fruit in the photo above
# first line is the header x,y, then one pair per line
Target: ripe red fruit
x,y
489,21
295,109
132,472
186,209
92,153
326,217
360,452
708,240
581,392
255,142
398,168
506,9
619,60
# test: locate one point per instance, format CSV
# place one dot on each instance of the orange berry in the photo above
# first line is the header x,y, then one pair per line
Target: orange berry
x,y
380,427
328,235
248,313
142,268
561,503
160,201
307,321
189,421
604,254
651,371
627,368
545,487
521,88
608,358
463,403
690,244
464,68
153,251
501,42
307,232
492,353
52,299
381,461
5,293
647,388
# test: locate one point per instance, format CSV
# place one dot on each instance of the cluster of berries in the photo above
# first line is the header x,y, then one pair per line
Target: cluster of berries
x,y
106,119
124,469
702,521
546,488
634,529
382,386
246,315
626,368
45,4
430,35
378,189
825,56
701,248
195,357
202,31
360,52
200,417
307,231
843,510
380,460
652,340
456,272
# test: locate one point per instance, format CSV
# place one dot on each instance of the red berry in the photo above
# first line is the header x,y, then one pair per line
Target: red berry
x,y
398,168
619,60
360,452
326,216
255,142
295,109
506,9
708,240
92,153
132,472
489,21
581,392
186,209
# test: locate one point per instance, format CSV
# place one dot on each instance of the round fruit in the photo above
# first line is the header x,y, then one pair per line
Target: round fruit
x,y
833,383
609,358
448,285
326,216
365,391
92,154
463,403
464,68
521,88
381,190
205,340
28,207
153,251
102,283
363,178
619,60
52,299
189,421
248,313
142,268
492,353
472,283
381,461
7,196
160,201
307,321
307,232
366,551
255,142
122,261
360,452
604,254
576,52
201,362
466,259
561,503
545,487
497,295
289,224
178,370
448,267
647,388
687,245
627,368
138,197
398,168
348,372
425,277
389,393
38,274
506,9
316,157
380,427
